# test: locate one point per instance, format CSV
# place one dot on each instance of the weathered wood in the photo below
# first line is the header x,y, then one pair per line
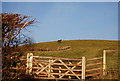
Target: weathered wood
x,y
29,63
49,71
92,64
25,57
69,77
42,61
62,74
16,68
94,69
69,69
83,68
41,67
66,79
43,75
104,62
45,63
97,58
92,74
57,69
57,58
45,67
37,63
66,64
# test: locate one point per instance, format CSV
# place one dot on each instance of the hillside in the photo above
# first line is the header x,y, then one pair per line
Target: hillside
x,y
79,48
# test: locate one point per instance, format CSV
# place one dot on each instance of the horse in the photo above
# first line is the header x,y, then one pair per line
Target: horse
x,y
59,41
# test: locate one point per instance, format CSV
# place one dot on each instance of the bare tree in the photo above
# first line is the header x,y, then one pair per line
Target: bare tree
x,y
12,37
12,24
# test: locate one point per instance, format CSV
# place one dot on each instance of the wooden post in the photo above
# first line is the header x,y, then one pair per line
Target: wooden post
x,y
49,69
104,62
29,63
83,68
59,71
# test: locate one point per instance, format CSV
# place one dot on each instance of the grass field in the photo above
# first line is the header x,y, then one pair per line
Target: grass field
x,y
87,48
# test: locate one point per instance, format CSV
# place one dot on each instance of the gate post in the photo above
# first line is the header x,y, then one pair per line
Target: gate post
x,y
29,63
104,62
49,69
83,68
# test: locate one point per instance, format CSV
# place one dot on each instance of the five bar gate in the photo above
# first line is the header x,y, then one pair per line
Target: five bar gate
x,y
42,67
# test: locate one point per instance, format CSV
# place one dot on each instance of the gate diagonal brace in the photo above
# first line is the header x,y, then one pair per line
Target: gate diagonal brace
x,y
45,67
68,68
38,64
69,71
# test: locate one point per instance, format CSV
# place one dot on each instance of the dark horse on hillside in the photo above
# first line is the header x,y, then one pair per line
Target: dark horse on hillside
x,y
59,41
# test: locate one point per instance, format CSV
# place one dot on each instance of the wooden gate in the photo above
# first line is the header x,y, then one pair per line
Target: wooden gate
x,y
42,67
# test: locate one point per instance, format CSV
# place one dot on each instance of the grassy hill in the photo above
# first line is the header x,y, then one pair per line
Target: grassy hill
x,y
79,48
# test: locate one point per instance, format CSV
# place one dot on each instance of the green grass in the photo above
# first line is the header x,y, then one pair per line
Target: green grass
x,y
79,48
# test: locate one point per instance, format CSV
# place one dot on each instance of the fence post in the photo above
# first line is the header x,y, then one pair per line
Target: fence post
x,y
49,69
104,62
29,63
83,68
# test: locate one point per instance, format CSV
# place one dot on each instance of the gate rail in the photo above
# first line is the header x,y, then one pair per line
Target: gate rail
x,y
43,67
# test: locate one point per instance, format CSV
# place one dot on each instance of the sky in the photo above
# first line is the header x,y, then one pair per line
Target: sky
x,y
68,20
60,0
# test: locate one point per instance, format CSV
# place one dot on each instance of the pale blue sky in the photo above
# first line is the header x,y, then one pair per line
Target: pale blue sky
x,y
60,0
69,20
